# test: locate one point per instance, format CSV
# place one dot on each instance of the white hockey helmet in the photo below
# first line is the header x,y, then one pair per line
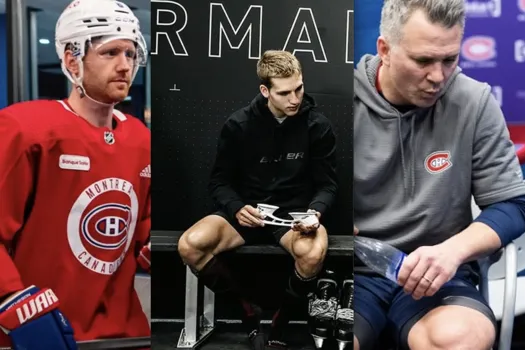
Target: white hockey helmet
x,y
84,20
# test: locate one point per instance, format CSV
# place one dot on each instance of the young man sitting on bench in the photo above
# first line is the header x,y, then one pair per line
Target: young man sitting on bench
x,y
279,151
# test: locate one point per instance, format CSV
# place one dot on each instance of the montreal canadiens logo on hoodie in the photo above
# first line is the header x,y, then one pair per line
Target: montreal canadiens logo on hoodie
x,y
438,162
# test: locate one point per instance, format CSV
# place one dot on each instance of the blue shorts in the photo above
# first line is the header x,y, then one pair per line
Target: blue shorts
x,y
382,307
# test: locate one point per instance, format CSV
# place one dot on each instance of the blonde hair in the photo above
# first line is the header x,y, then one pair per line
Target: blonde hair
x,y
277,64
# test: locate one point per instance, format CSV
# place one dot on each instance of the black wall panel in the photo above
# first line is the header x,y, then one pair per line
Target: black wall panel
x,y
204,68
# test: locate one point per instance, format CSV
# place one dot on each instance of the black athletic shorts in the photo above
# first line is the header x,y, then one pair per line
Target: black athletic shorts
x,y
269,234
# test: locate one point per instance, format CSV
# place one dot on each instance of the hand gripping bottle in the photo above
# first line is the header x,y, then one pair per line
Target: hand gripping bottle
x,y
379,256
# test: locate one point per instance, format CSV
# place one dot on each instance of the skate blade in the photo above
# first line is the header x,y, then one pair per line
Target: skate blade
x,y
318,341
344,345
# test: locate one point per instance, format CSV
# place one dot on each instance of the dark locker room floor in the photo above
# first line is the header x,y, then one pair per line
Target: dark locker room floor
x,y
228,337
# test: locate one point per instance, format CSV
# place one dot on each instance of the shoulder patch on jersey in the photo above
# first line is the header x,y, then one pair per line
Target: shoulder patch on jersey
x,y
119,115
438,162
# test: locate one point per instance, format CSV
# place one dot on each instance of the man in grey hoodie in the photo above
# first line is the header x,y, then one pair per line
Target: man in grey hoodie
x,y
426,139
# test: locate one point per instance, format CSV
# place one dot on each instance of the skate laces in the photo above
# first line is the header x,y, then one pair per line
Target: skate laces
x,y
324,306
345,311
275,339
345,315
277,344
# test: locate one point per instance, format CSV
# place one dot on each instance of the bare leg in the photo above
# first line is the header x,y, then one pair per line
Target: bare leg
x,y
207,238
308,252
199,247
452,327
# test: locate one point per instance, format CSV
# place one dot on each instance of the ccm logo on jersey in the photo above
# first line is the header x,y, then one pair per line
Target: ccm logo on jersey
x,y
71,162
438,162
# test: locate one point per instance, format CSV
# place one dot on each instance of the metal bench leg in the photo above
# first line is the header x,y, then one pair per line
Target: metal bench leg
x,y
208,319
189,335
509,303
196,327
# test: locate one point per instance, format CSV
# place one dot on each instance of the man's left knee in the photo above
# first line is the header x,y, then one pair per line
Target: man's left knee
x,y
462,335
310,250
314,258
455,328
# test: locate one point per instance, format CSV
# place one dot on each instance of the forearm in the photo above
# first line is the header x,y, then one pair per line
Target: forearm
x,y
475,242
18,164
506,218
220,186
226,197
496,226
10,280
143,232
323,199
323,168
226,168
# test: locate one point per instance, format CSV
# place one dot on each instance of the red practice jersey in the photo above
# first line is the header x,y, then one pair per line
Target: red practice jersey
x,y
74,211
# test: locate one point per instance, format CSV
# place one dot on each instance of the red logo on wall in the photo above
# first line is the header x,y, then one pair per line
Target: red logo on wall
x,y
479,48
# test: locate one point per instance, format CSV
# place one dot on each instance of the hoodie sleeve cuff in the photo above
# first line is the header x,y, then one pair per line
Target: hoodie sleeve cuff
x,y
233,207
318,206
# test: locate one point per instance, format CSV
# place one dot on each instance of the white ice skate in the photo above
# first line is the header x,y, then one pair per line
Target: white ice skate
x,y
267,210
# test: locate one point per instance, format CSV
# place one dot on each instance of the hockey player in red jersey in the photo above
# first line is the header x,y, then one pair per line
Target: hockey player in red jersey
x,y
75,192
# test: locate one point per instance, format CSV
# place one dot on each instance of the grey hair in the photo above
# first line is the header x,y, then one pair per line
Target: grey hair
x,y
395,14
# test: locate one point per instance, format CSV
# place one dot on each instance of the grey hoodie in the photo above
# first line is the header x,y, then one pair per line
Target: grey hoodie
x,y
414,174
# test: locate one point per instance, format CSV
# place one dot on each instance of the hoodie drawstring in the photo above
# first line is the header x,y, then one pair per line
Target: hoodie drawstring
x,y
402,152
412,169
412,148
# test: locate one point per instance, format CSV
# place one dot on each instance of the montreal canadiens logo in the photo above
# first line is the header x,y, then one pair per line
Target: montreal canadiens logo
x,y
106,225
438,162
101,224
479,48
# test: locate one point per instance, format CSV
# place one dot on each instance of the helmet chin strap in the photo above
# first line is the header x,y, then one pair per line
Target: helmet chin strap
x,y
82,90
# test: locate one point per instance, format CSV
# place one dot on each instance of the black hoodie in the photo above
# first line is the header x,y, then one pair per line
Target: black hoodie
x,y
291,164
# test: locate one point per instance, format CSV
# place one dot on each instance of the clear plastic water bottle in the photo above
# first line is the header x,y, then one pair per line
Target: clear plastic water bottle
x,y
379,256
